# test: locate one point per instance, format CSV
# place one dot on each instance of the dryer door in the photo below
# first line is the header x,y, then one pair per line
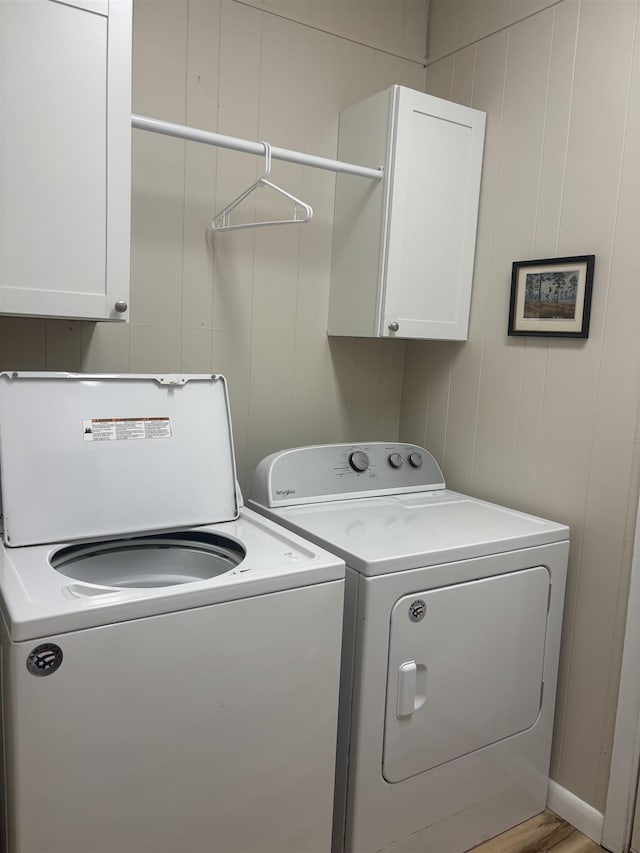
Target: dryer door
x,y
465,669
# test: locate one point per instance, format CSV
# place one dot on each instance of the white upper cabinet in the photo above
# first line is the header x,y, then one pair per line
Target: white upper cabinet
x,y
403,248
65,158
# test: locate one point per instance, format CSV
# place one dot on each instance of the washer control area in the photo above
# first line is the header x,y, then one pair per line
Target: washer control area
x,y
359,461
396,460
341,471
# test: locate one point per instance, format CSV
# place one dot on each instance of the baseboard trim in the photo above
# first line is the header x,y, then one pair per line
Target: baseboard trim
x,y
584,817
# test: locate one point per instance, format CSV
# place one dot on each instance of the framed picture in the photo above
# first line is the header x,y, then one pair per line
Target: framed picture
x,y
551,297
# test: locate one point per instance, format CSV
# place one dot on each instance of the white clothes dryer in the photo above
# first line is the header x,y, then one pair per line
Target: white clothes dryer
x,y
452,625
170,660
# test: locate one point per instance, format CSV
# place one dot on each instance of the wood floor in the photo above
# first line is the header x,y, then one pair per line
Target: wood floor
x,y
545,833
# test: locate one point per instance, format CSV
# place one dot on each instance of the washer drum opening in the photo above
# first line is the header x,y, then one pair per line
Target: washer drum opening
x,y
163,559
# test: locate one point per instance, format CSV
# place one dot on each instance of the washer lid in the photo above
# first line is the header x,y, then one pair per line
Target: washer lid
x,y
91,456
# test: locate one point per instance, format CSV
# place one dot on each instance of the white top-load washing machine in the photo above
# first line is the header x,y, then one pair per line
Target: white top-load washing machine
x,y
170,660
452,624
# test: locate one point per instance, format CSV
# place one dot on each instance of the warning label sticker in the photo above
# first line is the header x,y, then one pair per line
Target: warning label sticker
x,y
125,429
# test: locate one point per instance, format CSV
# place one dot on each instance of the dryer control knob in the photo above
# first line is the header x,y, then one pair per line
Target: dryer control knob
x,y
395,460
415,459
359,460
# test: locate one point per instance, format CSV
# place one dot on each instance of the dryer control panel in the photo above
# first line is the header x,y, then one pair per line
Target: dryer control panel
x,y
342,471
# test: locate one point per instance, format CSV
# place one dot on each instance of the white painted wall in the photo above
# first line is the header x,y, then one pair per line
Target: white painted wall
x,y
545,425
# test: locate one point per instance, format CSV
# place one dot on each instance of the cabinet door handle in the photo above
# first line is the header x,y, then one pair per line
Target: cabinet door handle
x,y
393,327
121,306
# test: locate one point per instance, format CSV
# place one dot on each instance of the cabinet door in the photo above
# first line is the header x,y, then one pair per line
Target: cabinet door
x,y
437,166
57,134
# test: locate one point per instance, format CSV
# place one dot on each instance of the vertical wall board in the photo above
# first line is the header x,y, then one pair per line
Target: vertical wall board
x,y
23,343
233,252
443,21
597,601
414,37
157,221
366,387
440,77
488,95
606,31
283,97
517,184
439,396
105,347
415,396
529,422
196,350
487,86
390,20
522,135
466,364
198,252
351,23
493,16
467,21
376,393
231,352
556,129
277,250
200,173
154,349
623,367
159,57
157,203
335,388
272,343
390,393
64,345
318,187
463,76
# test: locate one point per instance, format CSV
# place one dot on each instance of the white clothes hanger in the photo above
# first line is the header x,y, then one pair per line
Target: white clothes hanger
x,y
302,212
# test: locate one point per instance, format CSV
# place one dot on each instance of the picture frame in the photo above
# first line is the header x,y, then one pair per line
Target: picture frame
x,y
551,297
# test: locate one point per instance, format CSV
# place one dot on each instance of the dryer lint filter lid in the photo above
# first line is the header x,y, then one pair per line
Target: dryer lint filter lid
x,y
92,456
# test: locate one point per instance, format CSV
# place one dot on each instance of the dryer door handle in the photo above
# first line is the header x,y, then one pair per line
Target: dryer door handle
x,y
412,686
406,689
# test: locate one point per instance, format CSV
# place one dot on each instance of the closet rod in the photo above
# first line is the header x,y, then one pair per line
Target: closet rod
x,y
182,131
